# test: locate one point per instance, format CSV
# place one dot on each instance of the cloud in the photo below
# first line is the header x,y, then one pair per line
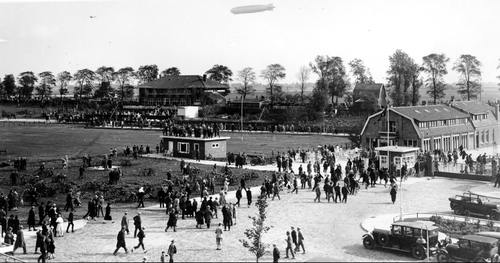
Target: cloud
x,y
2,40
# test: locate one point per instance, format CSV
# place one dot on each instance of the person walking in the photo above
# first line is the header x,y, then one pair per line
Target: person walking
x,y
172,250
218,237
124,223
59,228
238,196
31,219
107,216
120,241
300,241
71,218
140,197
43,249
39,240
249,196
289,245
276,254
172,221
394,192
20,242
141,235
137,223
318,193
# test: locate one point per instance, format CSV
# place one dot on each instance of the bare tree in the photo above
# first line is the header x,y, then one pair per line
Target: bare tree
x,y
272,74
435,67
247,77
303,76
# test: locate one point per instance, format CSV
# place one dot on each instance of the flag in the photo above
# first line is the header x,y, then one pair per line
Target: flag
x,y
382,100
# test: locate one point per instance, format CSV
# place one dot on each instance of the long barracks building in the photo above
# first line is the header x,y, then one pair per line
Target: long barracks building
x,y
435,127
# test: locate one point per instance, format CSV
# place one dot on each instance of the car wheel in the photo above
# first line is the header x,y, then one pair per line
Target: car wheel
x,y
368,242
457,210
494,216
418,252
443,257
480,260
383,240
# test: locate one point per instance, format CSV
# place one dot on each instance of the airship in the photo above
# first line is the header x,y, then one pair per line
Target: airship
x,y
251,9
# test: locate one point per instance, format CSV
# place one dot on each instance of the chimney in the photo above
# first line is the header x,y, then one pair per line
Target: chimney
x,y
204,77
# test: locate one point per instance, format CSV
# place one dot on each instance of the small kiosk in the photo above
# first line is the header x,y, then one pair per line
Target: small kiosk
x,y
398,156
190,147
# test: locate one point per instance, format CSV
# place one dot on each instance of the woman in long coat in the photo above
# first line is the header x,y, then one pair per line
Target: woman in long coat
x,y
394,192
172,221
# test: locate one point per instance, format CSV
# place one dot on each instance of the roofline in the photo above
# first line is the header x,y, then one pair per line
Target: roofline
x,y
367,120
196,138
419,134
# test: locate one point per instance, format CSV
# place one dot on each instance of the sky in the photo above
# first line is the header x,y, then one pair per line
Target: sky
x,y
193,35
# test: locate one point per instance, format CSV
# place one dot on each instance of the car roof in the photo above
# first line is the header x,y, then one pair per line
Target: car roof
x,y
478,238
429,225
489,234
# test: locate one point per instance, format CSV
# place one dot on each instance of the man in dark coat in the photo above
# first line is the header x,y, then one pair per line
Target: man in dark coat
x,y
137,223
345,193
238,196
294,237
41,213
31,219
249,196
120,241
71,218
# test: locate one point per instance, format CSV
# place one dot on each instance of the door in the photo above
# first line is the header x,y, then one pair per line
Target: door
x,y
170,146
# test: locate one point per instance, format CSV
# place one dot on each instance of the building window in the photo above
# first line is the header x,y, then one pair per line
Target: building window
x,y
487,136
392,126
482,137
215,145
183,147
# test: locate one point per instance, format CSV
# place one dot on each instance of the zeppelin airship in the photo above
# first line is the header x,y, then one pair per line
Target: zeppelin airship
x,y
251,9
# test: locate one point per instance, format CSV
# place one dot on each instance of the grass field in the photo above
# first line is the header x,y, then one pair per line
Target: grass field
x,y
50,142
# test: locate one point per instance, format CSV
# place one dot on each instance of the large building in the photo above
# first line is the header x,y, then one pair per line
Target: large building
x,y
484,119
431,127
183,90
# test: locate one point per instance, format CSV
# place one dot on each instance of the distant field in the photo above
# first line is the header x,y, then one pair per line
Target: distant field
x,y
48,142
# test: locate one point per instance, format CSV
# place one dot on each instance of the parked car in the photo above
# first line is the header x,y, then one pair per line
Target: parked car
x,y
409,237
473,204
469,248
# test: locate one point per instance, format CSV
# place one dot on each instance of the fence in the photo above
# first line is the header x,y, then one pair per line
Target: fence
x,y
462,168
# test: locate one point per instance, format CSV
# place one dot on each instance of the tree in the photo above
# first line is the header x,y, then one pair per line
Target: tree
x,y
173,71
147,73
435,67
360,72
247,78
332,75
47,82
9,85
319,100
303,76
254,235
123,77
273,73
63,78
105,75
85,79
219,73
27,81
469,85
403,73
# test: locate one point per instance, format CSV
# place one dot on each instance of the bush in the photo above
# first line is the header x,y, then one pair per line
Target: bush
x,y
125,162
456,228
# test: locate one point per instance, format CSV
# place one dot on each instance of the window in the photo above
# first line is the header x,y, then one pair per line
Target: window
x,y
215,145
396,230
487,136
407,231
392,126
383,160
183,147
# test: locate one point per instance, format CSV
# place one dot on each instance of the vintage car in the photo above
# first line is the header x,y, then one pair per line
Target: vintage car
x,y
409,237
469,248
473,204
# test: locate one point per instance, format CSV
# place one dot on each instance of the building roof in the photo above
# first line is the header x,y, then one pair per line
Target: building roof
x,y
430,112
472,107
183,81
399,149
196,138
363,89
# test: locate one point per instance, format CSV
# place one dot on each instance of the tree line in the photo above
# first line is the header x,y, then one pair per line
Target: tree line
x,y
405,78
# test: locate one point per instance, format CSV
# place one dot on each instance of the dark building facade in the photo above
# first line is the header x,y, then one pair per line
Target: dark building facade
x,y
430,128
183,90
